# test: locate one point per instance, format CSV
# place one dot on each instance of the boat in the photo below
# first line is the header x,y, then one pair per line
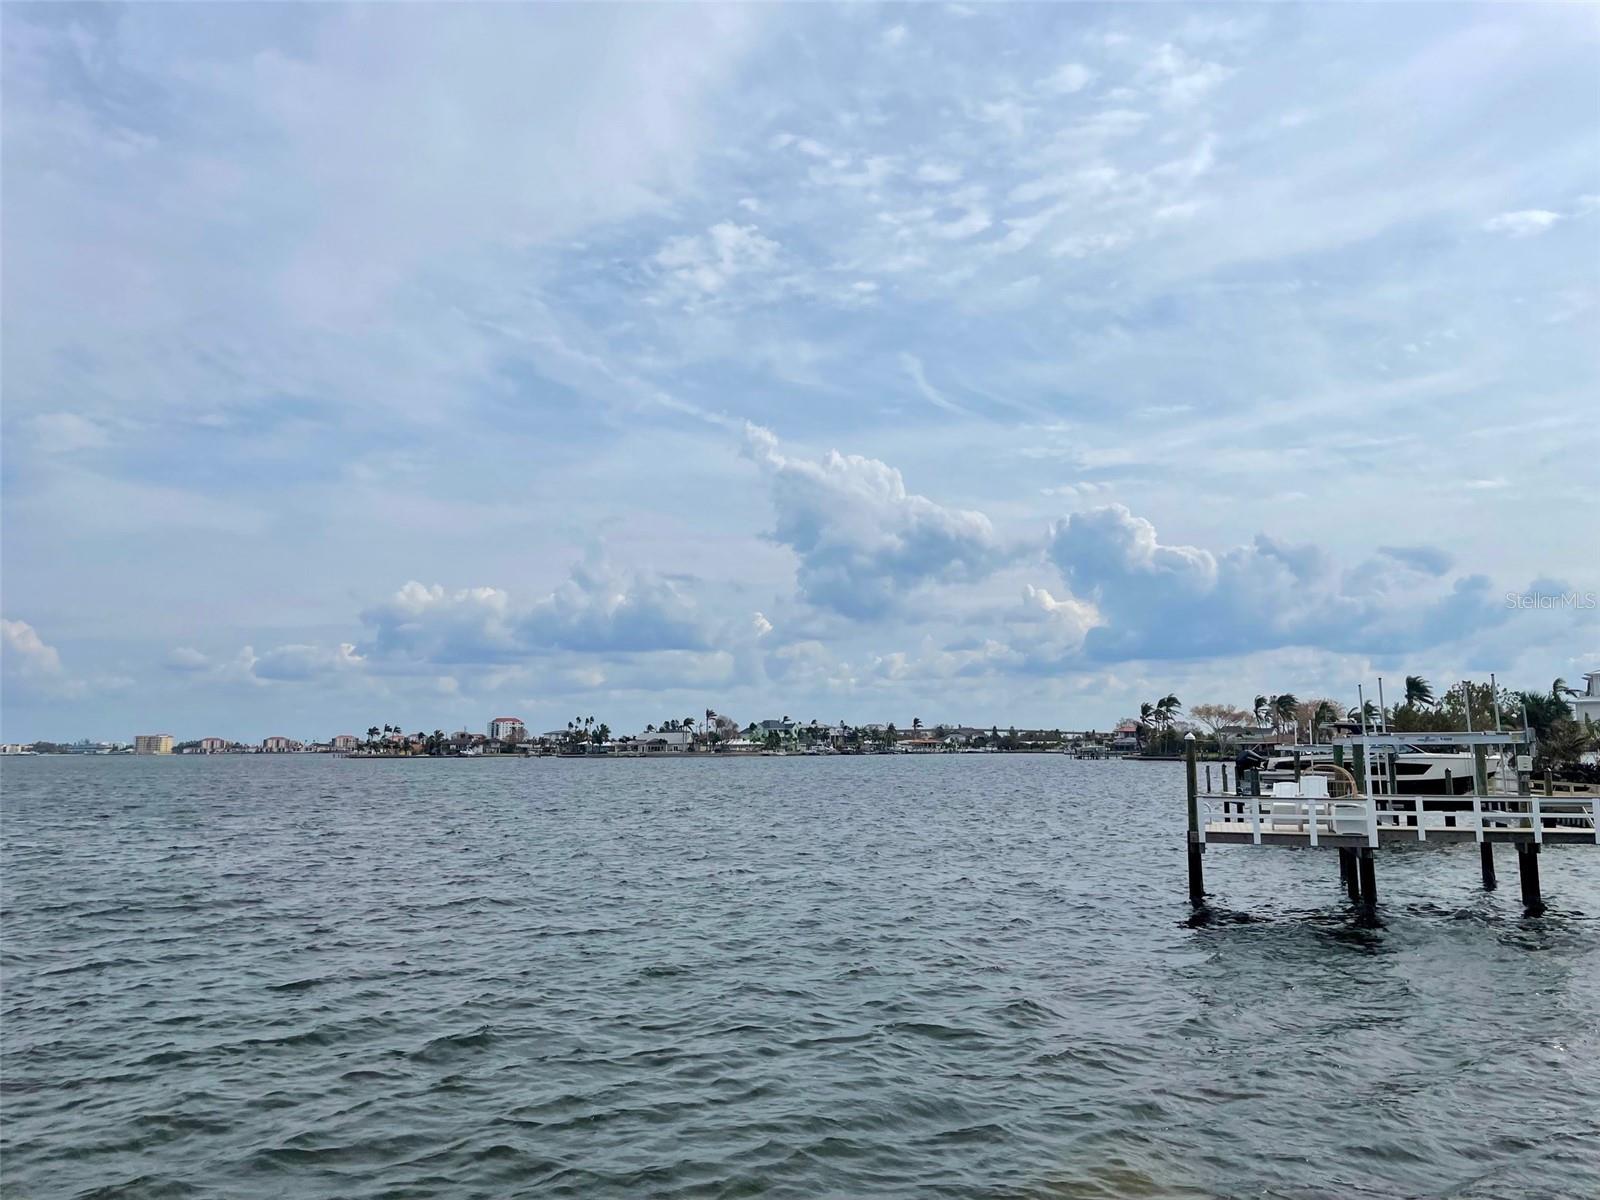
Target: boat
x,y
1432,770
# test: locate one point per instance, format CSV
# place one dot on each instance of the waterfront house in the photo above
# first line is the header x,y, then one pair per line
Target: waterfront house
x,y
661,741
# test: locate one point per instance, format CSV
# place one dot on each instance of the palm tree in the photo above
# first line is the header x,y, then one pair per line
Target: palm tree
x,y
1559,689
1283,708
916,724
1418,691
1324,716
1167,710
1262,708
1368,712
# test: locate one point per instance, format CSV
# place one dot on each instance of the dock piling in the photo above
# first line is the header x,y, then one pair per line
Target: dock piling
x,y
1528,869
1349,874
1197,874
1486,860
1369,877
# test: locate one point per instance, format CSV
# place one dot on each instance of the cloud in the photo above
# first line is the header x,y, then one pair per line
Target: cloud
x,y
1067,79
596,610
187,658
864,542
1181,79
913,368
1430,560
300,663
295,662
27,655
1527,222
1055,629
938,172
706,264
65,433
32,667
1160,600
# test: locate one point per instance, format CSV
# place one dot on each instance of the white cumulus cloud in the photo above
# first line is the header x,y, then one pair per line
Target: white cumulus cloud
x,y
863,540
1527,222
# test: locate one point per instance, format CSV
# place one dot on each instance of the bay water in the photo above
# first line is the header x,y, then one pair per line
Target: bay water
x,y
951,975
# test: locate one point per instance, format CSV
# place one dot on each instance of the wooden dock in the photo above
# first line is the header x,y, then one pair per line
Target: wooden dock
x,y
1332,811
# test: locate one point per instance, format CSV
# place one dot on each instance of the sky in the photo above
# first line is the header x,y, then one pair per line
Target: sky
x,y
970,363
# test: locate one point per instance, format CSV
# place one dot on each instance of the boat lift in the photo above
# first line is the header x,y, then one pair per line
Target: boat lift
x,y
1354,804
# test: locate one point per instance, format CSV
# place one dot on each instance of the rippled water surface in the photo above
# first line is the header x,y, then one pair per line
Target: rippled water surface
x,y
952,975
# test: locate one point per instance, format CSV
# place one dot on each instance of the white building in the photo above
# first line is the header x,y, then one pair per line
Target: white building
x,y
1587,704
507,729
663,741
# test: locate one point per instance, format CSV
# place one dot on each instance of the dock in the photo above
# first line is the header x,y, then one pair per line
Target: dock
x,y
1349,805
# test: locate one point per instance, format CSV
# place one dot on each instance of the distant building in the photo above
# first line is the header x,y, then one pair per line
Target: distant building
x,y
279,745
211,745
662,741
152,743
344,741
1588,704
507,729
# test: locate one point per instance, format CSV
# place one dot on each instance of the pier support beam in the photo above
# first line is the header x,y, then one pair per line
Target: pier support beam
x,y
1349,875
1369,877
1486,858
1197,872
1528,869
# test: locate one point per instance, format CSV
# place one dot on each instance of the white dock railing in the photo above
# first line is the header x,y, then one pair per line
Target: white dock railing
x,y
1316,817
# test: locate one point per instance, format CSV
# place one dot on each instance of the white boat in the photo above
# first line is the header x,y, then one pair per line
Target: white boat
x,y
1427,771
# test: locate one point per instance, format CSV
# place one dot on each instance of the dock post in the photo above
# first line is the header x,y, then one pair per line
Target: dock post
x,y
1528,869
1486,860
1369,877
1197,874
1349,875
